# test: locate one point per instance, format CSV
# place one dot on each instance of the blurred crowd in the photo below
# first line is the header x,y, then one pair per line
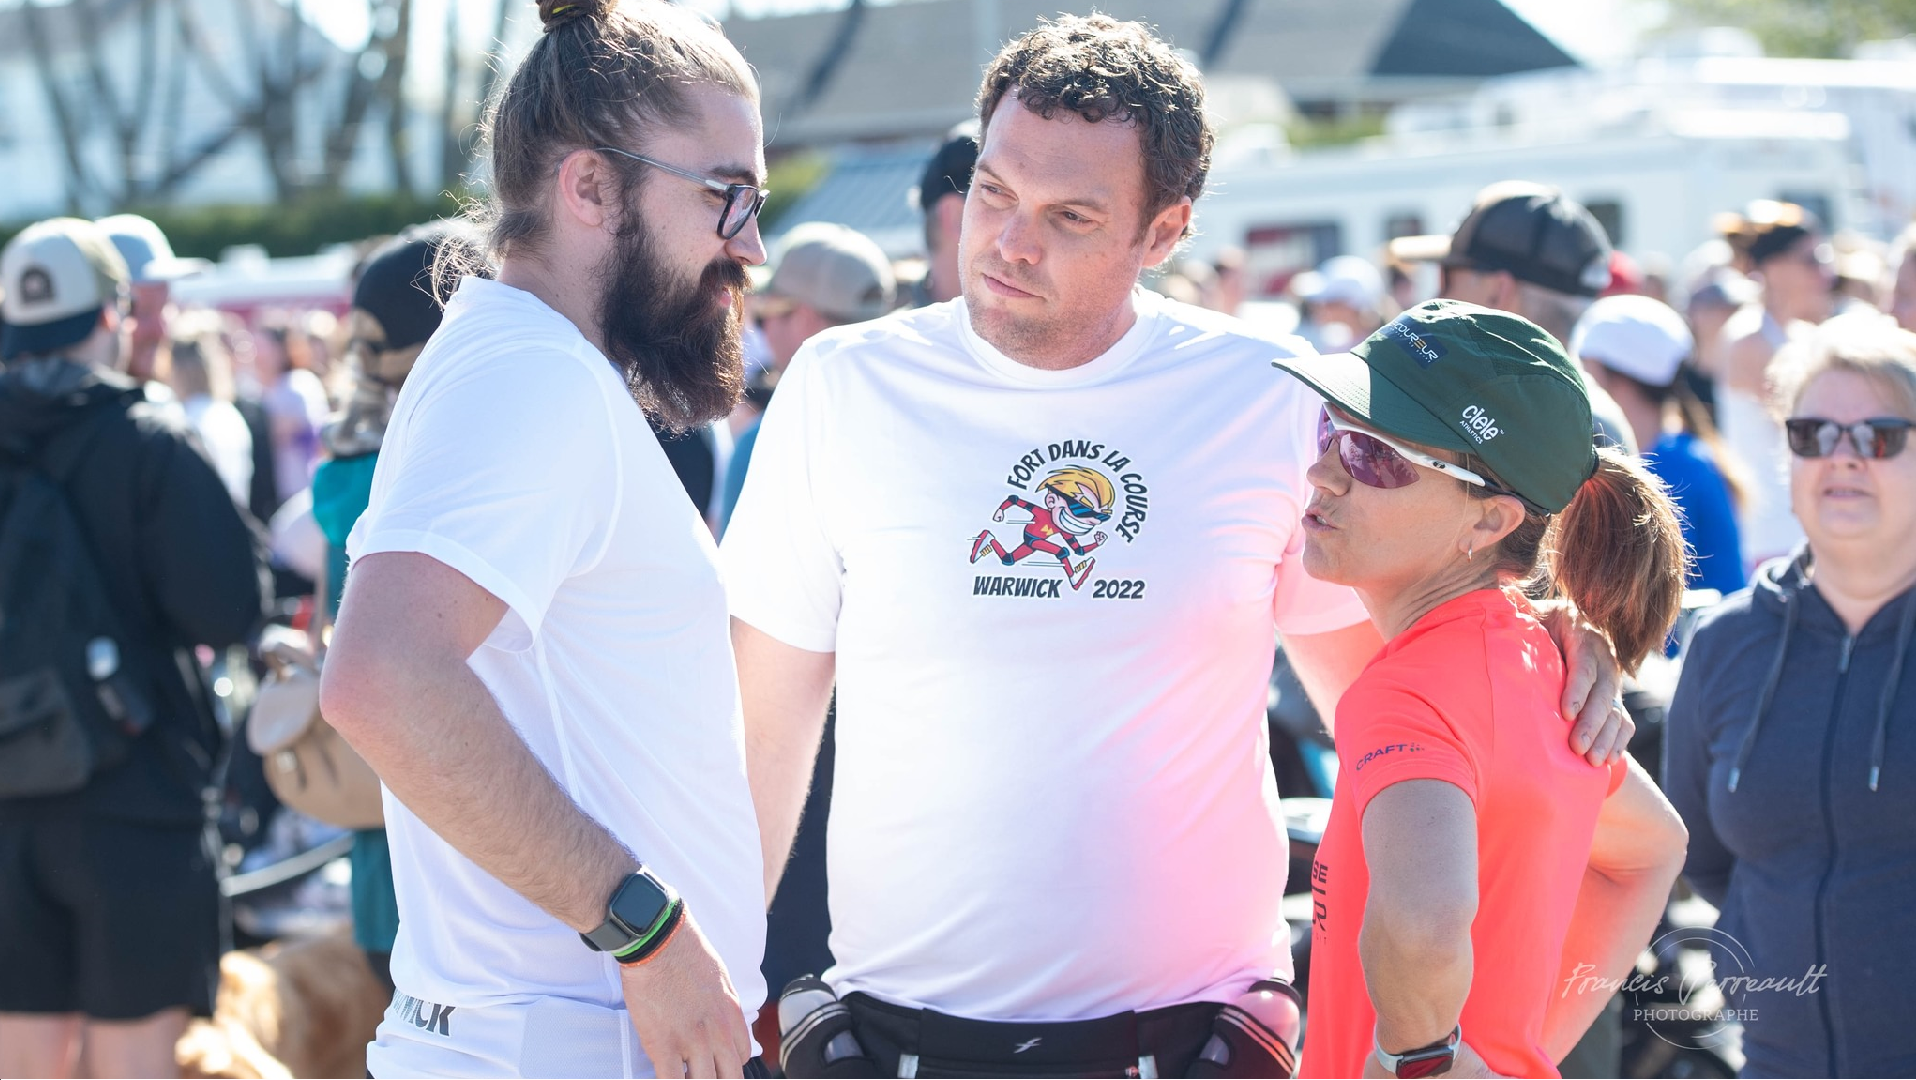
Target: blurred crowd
x,y
1684,357
1682,347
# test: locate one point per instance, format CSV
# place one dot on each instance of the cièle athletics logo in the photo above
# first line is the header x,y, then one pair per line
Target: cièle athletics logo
x,y
1068,500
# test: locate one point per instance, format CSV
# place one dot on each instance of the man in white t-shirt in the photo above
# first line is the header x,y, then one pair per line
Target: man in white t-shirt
x,y
1042,535
532,649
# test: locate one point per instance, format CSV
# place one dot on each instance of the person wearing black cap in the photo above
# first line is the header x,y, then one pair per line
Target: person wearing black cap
x,y
1470,862
941,198
1530,250
120,551
396,308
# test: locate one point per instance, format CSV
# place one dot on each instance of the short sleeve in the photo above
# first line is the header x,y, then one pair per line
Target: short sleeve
x,y
1399,737
1301,604
783,573
507,471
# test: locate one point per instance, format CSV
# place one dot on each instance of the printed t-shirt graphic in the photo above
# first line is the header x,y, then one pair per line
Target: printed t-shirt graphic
x,y
1078,498
1468,695
1053,796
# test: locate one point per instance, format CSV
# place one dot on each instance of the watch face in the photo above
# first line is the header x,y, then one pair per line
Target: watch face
x,y
639,904
1430,1063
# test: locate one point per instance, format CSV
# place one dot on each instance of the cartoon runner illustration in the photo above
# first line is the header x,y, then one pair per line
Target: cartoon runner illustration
x,y
1076,501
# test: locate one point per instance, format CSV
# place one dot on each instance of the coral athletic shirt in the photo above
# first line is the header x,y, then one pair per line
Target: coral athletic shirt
x,y
1469,696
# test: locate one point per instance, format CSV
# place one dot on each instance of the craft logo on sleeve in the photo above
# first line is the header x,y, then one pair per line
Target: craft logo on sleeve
x,y
1383,751
1068,499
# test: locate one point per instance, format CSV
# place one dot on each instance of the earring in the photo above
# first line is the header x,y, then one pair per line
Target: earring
x,y
1471,554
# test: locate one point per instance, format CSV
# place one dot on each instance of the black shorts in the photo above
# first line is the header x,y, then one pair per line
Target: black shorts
x,y
112,920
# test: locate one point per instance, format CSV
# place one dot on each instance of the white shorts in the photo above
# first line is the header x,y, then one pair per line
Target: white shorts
x,y
540,1037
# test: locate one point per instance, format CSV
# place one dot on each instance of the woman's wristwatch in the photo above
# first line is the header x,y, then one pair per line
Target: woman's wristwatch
x,y
641,917
1430,1060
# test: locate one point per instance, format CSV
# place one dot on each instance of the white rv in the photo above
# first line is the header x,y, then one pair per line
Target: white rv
x,y
1654,191
1654,149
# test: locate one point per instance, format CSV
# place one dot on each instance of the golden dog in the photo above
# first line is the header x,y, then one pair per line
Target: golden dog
x,y
294,1008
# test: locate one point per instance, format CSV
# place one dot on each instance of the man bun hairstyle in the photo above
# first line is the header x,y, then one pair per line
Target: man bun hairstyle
x,y
604,73
1119,72
556,13
1616,552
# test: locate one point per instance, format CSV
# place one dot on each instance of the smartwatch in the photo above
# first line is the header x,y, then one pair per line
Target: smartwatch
x,y
639,919
1430,1060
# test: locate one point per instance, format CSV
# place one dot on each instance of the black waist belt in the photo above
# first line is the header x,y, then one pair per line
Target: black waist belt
x,y
920,1042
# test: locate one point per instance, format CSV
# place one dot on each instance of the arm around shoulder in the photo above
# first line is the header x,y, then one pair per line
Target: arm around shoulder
x,y
1328,663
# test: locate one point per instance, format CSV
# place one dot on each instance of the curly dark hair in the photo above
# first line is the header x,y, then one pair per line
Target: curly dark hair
x,y
1122,72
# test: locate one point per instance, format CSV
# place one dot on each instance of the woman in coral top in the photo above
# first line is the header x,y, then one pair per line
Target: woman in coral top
x,y
1481,890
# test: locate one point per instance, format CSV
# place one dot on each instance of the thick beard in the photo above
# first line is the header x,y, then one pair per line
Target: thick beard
x,y
679,351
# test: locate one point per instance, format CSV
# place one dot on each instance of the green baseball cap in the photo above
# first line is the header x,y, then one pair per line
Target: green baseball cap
x,y
1466,378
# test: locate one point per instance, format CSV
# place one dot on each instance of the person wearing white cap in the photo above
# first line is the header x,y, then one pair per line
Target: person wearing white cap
x,y
822,275
1342,297
121,547
152,268
1633,347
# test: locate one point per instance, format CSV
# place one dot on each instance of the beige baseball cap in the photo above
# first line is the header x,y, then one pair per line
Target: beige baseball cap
x,y
57,274
837,270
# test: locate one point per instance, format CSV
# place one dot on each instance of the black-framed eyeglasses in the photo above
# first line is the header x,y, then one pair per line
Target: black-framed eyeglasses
x,y
1878,437
742,201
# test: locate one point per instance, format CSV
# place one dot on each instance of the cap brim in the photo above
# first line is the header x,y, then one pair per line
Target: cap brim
x,y
171,269
1348,382
1416,249
48,337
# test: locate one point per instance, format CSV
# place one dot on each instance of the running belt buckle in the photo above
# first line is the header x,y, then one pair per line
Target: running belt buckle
x,y
1146,1068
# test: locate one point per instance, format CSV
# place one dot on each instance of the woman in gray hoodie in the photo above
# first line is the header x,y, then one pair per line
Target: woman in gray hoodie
x,y
1792,753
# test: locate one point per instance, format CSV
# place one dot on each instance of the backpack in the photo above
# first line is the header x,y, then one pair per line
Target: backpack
x,y
70,704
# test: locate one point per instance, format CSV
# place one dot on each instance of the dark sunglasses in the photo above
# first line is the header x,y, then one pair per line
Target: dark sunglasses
x,y
1375,461
742,201
1078,508
1878,437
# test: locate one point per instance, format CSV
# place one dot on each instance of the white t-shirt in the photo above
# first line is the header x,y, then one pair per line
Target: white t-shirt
x,y
516,456
1053,797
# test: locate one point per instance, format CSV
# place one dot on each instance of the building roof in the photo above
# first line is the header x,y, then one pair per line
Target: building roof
x,y
869,189
912,68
